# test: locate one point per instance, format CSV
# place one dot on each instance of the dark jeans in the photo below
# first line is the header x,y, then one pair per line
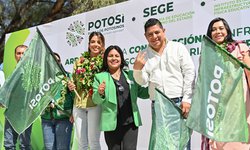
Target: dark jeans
x,y
57,134
10,137
122,138
178,103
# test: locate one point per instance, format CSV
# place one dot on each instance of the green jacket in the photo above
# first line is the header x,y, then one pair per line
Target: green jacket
x,y
64,104
109,101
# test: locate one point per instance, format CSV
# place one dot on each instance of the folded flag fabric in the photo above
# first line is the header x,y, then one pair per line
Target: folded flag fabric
x,y
168,131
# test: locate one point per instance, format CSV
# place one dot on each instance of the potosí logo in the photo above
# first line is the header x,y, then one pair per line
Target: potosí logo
x,y
212,100
75,33
107,23
160,9
44,88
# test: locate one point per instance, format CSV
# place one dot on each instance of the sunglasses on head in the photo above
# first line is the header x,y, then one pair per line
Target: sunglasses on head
x,y
120,87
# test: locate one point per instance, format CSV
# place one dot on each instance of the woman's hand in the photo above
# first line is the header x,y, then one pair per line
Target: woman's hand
x,y
101,88
52,105
246,57
71,86
71,119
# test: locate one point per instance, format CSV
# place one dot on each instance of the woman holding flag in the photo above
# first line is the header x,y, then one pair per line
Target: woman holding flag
x,y
220,32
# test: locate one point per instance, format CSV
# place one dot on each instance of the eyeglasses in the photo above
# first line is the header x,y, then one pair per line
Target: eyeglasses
x,y
120,87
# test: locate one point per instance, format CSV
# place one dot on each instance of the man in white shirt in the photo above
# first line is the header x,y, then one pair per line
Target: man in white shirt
x,y
165,65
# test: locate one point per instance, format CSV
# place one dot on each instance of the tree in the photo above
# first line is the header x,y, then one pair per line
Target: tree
x,y
21,14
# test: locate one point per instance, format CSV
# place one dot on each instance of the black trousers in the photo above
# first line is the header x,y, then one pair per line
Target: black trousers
x,y
122,138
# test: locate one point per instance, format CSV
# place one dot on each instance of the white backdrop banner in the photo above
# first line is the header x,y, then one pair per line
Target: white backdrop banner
x,y
122,24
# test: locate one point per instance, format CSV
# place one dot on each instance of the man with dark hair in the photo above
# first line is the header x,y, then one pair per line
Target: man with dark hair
x,y
19,50
165,65
10,135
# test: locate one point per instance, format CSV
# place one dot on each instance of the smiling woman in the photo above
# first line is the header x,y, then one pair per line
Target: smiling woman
x,y
86,113
116,92
220,32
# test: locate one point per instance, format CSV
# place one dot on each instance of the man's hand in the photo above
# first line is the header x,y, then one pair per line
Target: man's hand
x,y
140,61
185,107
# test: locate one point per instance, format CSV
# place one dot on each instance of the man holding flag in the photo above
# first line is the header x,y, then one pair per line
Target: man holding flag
x,y
10,135
33,84
169,68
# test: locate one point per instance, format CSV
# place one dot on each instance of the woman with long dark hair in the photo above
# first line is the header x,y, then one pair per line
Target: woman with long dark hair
x,y
86,113
116,92
220,32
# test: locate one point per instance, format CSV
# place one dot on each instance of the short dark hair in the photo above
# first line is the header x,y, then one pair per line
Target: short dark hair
x,y
105,57
229,37
20,46
151,22
98,34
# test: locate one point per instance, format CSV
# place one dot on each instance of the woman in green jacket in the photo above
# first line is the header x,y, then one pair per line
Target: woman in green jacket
x,y
117,92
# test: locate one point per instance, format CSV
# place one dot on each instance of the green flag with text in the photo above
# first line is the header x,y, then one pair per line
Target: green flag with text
x,y
218,110
169,131
32,85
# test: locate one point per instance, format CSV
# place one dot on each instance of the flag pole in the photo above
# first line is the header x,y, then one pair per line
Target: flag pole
x,y
60,66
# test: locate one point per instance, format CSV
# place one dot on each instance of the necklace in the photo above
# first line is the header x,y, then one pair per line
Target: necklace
x,y
116,75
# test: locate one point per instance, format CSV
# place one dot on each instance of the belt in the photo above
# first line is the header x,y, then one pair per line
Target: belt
x,y
176,99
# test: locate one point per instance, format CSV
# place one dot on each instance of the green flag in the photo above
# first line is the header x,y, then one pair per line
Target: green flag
x,y
169,131
218,109
1,134
32,85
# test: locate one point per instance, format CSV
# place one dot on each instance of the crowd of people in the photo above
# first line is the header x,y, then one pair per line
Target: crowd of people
x,y
102,92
